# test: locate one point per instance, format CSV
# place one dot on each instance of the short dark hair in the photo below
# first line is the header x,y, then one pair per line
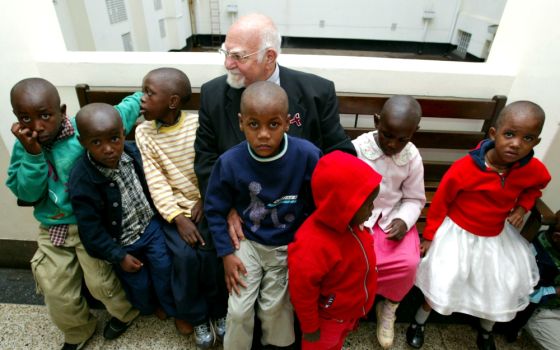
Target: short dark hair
x,y
176,82
526,107
35,84
264,92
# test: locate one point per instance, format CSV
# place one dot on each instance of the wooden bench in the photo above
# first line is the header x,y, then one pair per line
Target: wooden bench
x,y
357,117
361,108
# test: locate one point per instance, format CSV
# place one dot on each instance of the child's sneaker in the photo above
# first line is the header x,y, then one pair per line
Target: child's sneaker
x,y
203,336
115,328
220,328
385,312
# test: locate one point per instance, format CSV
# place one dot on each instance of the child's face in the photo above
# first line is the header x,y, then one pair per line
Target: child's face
x,y
155,100
104,141
264,131
515,137
39,112
364,212
393,133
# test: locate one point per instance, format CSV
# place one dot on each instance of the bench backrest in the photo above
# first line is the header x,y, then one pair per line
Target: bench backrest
x,y
364,106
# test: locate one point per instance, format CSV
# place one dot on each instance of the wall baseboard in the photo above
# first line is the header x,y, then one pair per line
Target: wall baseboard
x,y
16,253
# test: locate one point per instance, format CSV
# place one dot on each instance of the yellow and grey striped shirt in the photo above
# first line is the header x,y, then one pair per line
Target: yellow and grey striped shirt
x,y
168,157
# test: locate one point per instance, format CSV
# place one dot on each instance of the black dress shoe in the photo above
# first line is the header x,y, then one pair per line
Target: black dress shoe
x,y
485,340
115,328
415,335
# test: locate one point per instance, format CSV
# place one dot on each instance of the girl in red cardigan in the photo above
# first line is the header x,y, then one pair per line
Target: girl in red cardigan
x,y
331,266
477,262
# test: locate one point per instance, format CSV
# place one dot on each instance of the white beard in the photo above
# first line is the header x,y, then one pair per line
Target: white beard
x,y
235,79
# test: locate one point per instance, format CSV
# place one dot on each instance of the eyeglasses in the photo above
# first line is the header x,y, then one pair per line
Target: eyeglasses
x,y
237,56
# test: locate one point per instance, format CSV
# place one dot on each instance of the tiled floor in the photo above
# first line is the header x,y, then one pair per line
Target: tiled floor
x,y
29,327
25,324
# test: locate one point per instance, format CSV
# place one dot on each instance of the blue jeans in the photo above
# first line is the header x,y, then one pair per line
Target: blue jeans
x,y
151,286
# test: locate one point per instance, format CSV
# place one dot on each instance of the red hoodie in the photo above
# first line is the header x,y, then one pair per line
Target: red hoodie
x,y
332,272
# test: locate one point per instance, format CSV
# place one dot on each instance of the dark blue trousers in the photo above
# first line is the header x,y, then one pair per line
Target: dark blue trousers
x,y
151,286
197,280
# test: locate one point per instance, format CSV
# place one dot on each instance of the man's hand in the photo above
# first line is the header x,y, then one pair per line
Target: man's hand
x,y
232,268
396,230
312,337
424,247
234,228
27,138
196,212
131,264
516,217
188,231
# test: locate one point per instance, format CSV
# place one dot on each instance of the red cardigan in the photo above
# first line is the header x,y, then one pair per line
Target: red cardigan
x,y
478,199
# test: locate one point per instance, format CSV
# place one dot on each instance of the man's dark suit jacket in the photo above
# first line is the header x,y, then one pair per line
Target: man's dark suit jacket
x,y
313,107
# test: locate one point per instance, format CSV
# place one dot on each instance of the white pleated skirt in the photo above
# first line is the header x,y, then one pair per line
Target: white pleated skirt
x,y
486,277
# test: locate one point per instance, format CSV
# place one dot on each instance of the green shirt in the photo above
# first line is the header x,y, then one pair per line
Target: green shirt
x,y
43,178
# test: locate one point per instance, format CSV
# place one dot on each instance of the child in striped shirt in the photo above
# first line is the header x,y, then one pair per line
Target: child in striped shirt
x,y
165,141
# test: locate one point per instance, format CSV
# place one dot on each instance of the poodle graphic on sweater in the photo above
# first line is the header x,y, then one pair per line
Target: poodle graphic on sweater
x,y
258,210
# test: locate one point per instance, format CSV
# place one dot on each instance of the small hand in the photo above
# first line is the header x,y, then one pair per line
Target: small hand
x,y
516,217
196,212
188,231
27,138
234,228
396,230
424,247
232,267
130,264
312,337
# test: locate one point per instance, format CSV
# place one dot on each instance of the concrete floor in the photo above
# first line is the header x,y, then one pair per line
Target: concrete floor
x,y
25,324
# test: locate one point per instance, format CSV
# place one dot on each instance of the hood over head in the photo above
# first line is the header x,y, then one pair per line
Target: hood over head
x,y
340,185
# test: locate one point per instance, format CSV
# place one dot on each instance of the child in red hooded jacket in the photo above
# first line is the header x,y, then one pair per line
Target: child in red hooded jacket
x,y
332,273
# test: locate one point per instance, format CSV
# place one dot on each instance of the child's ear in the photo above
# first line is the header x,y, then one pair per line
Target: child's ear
x,y
174,102
240,118
537,142
492,133
63,110
80,140
376,119
288,118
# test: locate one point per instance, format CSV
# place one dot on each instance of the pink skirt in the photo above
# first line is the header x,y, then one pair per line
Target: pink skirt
x,y
397,262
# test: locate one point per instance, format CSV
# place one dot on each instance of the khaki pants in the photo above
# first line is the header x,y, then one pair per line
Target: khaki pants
x,y
267,285
58,272
544,326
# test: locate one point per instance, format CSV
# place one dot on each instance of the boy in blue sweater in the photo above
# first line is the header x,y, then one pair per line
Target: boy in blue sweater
x,y
116,217
43,154
267,180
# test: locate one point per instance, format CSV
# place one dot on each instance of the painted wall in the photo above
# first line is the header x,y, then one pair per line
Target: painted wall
x,y
523,64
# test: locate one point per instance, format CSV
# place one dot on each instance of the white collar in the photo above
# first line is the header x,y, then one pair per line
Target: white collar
x,y
275,77
369,148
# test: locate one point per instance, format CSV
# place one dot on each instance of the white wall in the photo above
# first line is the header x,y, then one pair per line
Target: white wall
x,y
523,64
356,19
475,17
531,46
107,36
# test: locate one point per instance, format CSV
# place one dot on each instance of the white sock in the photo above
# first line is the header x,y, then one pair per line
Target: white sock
x,y
487,325
421,315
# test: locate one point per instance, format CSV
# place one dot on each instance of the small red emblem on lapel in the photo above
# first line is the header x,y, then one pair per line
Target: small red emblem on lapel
x,y
296,120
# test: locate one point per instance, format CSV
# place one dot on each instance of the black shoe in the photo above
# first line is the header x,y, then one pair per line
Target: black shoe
x,y
78,346
115,328
68,346
415,335
485,340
